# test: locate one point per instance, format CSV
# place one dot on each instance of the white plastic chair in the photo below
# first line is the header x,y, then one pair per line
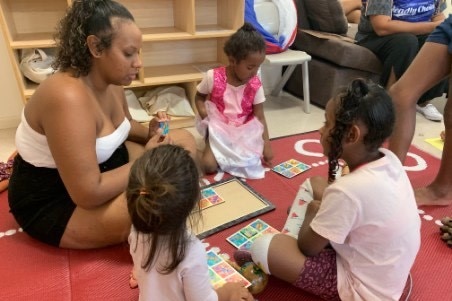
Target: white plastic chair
x,y
268,16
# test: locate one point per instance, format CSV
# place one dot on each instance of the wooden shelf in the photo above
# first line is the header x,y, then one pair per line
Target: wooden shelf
x,y
181,38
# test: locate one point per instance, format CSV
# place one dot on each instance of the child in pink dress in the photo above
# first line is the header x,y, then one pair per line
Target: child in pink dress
x,y
230,105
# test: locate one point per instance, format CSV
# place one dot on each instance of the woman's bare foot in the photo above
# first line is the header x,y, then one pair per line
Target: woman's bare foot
x,y
427,196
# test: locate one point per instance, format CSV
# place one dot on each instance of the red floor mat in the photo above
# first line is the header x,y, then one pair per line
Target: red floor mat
x,y
34,271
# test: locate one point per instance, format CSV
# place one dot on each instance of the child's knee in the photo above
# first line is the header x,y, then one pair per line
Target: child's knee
x,y
209,168
259,251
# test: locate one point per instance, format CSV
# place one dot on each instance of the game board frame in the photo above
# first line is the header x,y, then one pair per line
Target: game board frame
x,y
257,205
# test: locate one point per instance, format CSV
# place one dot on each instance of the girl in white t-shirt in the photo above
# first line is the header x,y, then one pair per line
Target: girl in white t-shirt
x,y
230,103
361,233
170,263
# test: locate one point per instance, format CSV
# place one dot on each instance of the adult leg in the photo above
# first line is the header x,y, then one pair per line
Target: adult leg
x,y
439,192
396,52
185,139
209,163
352,10
430,66
103,226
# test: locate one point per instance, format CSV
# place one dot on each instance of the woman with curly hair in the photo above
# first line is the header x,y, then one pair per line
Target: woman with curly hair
x,y
76,140
361,233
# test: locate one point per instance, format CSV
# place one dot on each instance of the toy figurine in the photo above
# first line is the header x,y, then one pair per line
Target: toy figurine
x,y
446,230
253,274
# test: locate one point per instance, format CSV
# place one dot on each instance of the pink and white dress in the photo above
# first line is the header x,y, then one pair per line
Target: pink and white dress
x,y
235,134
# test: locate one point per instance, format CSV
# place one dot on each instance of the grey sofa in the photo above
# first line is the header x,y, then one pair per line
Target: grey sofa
x,y
324,34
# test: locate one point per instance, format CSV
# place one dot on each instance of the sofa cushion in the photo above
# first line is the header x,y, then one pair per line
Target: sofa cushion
x,y
326,15
337,49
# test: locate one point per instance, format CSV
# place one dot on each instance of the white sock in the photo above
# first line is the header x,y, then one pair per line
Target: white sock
x,y
259,251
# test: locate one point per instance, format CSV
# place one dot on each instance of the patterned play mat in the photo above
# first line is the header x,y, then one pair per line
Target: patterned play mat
x,y
34,271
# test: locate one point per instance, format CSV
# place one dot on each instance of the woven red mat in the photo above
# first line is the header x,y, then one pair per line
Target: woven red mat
x,y
34,271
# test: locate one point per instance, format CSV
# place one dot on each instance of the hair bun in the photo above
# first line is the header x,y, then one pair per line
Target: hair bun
x,y
248,27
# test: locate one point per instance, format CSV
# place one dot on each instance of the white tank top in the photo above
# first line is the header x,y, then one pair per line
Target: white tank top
x,y
33,146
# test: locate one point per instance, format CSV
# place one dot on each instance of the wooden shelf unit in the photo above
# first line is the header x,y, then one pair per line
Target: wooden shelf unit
x,y
181,38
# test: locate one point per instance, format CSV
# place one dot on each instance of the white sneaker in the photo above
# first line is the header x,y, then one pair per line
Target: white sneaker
x,y
430,112
36,65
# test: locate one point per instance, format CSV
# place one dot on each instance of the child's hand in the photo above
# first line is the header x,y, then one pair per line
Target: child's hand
x,y
312,209
234,292
318,184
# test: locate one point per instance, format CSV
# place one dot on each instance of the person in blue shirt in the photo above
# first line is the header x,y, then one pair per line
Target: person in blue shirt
x,y
395,30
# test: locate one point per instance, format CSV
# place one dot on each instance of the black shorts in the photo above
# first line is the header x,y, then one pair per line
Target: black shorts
x,y
39,200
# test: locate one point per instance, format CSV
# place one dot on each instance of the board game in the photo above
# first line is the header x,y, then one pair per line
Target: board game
x,y
220,271
234,201
243,238
291,168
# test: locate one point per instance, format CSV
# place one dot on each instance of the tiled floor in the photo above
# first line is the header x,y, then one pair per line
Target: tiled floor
x,y
285,116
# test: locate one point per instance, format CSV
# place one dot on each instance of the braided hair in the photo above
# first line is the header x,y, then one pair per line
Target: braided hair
x,y
162,192
84,18
370,104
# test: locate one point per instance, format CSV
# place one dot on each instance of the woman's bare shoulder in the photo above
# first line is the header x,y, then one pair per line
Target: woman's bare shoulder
x,y
61,88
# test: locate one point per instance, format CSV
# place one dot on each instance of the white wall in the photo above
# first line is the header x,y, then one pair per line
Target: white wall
x,y
11,103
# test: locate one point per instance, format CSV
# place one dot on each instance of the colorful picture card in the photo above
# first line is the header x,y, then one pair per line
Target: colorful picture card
x,y
243,238
165,127
220,271
291,168
209,198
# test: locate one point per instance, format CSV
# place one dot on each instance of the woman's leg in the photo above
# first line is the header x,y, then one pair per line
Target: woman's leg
x,y
103,226
395,51
185,139
209,163
439,192
430,66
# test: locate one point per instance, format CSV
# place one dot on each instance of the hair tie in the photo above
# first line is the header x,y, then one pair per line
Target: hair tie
x,y
143,192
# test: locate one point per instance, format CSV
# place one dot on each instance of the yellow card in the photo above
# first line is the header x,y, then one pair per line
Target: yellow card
x,y
436,142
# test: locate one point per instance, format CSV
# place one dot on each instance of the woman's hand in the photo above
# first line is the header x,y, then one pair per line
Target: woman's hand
x,y
157,139
154,124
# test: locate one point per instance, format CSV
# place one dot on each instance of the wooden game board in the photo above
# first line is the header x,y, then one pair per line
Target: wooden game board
x,y
241,203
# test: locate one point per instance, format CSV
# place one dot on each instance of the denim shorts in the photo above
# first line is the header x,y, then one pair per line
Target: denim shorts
x,y
443,34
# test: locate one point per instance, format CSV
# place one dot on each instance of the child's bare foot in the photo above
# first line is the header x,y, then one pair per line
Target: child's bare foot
x,y
443,135
132,281
427,196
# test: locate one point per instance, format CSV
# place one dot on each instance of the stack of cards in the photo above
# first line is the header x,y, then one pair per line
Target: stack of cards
x,y
298,209
220,271
209,198
291,168
243,238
